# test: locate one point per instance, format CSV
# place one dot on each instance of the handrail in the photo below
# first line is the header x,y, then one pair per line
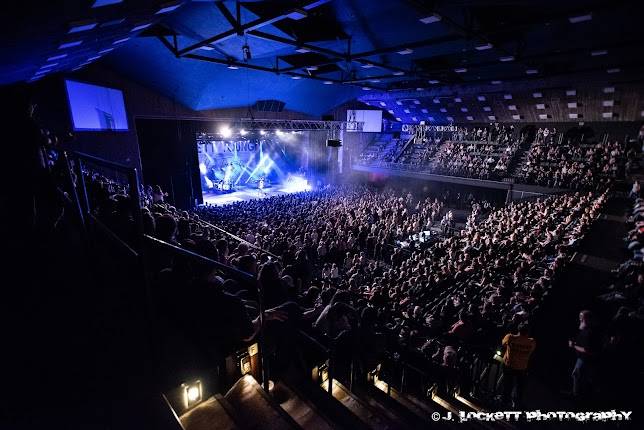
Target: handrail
x,y
314,341
163,244
221,230
240,275
103,162
113,235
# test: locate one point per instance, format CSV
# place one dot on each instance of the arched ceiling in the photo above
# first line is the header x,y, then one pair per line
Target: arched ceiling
x,y
315,55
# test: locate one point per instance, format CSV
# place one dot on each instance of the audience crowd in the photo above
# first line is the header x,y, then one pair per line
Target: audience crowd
x,y
573,165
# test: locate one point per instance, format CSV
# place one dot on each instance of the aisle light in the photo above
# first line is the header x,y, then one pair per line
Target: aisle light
x,y
192,393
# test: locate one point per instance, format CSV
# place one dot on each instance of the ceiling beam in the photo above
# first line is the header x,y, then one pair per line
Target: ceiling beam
x,y
229,17
252,25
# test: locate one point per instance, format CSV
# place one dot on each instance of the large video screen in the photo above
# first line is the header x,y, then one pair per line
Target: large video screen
x,y
96,108
371,119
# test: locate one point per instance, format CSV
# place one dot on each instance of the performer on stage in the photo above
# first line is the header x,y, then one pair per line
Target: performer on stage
x,y
260,185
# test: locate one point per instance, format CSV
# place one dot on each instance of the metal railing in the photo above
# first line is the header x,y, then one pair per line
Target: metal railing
x,y
142,242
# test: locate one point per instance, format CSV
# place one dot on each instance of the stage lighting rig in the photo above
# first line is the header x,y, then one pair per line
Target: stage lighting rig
x,y
246,52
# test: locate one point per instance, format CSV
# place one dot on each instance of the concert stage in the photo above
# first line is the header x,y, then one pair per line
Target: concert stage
x,y
240,195
243,193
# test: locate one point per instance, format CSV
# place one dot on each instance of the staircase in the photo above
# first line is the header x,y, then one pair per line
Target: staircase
x,y
519,160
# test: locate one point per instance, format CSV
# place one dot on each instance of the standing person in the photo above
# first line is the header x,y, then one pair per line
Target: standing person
x,y
158,196
586,347
518,348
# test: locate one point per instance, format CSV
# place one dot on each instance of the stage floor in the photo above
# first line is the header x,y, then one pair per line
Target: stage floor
x,y
241,195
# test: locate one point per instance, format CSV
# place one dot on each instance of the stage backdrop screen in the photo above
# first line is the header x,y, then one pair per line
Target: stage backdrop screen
x,y
96,108
372,119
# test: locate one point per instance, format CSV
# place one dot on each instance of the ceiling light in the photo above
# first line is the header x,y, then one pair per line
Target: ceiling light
x,y
77,27
327,83
57,57
461,70
116,42
495,82
431,19
383,104
516,117
450,118
366,88
46,66
141,26
480,98
416,102
491,117
571,92
541,106
512,107
607,114
580,18
296,77
537,95
391,111
298,14
433,81
436,101
598,53
112,22
487,109
463,109
367,66
96,57
70,44
609,90
614,70
398,102
483,47
470,118
302,50
572,105
406,51
573,115
444,110
105,51
168,7
77,68
506,58
458,99
399,73
101,3
543,116
406,111
532,71
608,103
374,80
507,96
420,89
398,119
243,132
233,67
311,68
424,110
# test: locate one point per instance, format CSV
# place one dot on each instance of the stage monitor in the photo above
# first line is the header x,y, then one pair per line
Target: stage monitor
x,y
371,119
96,108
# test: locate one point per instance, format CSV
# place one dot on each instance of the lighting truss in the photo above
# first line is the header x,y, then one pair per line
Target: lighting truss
x,y
292,124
